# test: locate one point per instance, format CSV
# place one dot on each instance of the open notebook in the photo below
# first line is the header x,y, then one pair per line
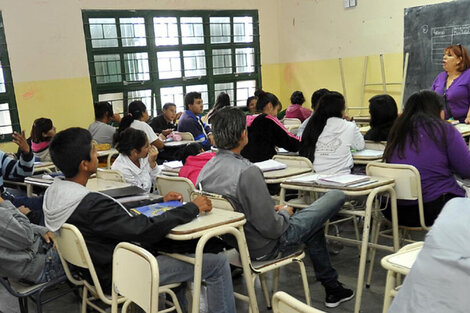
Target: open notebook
x,y
340,180
270,165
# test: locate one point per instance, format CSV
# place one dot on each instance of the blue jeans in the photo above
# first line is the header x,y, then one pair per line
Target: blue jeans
x,y
53,267
215,272
307,226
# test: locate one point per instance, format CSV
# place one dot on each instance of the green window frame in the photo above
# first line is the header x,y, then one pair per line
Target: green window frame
x,y
157,56
9,120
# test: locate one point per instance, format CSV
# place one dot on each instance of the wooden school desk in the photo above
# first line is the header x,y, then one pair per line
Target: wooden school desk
x,y
177,143
43,167
380,186
205,226
109,154
366,156
278,176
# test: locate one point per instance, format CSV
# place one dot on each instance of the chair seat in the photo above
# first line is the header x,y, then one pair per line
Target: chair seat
x,y
258,266
24,288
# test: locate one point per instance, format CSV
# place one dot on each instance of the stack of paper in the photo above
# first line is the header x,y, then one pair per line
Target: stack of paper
x,y
172,165
270,165
343,180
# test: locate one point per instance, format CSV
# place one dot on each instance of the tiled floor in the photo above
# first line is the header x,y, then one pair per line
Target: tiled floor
x,y
346,263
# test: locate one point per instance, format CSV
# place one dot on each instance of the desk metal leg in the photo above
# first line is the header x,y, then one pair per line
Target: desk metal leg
x,y
29,190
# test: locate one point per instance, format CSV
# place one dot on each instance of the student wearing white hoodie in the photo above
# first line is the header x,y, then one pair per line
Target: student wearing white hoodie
x,y
328,138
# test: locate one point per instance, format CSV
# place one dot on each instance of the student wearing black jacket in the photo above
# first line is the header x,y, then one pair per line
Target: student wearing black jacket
x,y
104,222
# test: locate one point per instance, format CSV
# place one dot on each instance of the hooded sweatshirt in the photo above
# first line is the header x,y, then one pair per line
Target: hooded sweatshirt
x,y
104,222
194,165
333,149
22,249
438,281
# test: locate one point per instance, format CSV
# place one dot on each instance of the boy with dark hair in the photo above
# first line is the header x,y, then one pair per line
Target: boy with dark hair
x,y
165,122
190,120
99,129
271,231
104,222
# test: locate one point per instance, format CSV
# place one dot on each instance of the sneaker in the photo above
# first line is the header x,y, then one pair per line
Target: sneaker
x,y
337,295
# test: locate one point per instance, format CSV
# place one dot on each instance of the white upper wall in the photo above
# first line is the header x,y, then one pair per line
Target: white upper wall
x,y
324,29
46,41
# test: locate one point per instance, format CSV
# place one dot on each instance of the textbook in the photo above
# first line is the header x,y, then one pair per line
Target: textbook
x,y
156,209
270,165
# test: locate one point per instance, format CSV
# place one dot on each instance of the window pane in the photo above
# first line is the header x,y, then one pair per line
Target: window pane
x,y
116,100
222,61
191,30
220,29
107,68
245,89
5,121
243,29
133,31
166,31
2,79
245,60
137,66
103,32
194,63
142,95
174,95
227,88
169,65
203,90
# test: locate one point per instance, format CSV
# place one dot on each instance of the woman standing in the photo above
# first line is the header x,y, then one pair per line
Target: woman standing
x,y
454,83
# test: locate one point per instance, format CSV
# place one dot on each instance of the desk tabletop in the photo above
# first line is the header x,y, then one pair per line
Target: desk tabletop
x,y
464,129
177,143
94,184
107,152
377,182
287,172
215,218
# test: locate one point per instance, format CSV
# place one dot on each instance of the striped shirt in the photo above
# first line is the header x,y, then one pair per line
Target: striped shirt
x,y
15,170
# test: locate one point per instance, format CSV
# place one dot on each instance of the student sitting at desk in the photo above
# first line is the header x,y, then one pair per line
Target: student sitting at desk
x,y
190,120
271,231
104,222
383,113
421,138
266,132
137,160
165,123
295,110
223,100
251,105
314,101
41,134
137,118
100,130
194,158
328,138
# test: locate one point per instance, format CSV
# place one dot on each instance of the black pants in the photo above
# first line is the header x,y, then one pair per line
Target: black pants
x,y
408,215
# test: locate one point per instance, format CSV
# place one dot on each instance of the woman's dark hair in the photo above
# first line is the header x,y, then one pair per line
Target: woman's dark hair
x,y
383,112
331,105
41,125
223,100
422,113
190,149
136,110
264,98
297,97
129,139
249,100
101,108
316,97
460,52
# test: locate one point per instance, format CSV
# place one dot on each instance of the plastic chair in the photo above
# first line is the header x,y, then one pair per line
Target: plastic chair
x,y
24,291
375,145
72,249
112,175
259,268
165,184
136,277
292,124
407,187
284,303
398,264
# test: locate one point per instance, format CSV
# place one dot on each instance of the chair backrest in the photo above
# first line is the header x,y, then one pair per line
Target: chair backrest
x,y
284,303
72,249
136,276
217,201
182,185
407,182
294,161
375,145
186,136
112,175
291,122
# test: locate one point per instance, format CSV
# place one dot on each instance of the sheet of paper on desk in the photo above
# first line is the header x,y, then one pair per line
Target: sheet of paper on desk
x,y
343,179
311,178
156,208
369,153
270,165
173,164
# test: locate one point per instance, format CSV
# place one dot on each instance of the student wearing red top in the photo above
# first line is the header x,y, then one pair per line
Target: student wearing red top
x,y
295,110
194,158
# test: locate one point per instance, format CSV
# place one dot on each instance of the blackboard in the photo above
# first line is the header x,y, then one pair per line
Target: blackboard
x,y
429,30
